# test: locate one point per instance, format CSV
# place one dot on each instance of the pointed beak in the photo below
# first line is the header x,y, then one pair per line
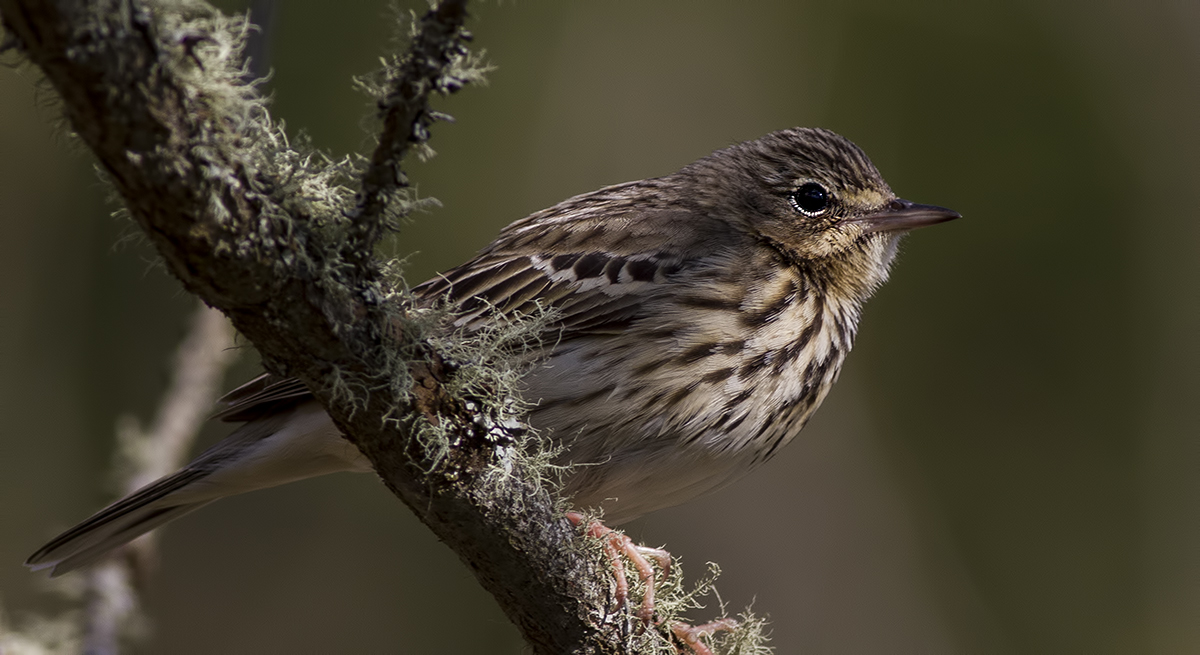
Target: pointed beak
x,y
902,215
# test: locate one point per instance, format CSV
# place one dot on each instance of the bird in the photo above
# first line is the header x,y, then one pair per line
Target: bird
x,y
699,320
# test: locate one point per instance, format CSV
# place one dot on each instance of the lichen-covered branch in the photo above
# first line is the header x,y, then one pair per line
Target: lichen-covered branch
x,y
437,61
260,230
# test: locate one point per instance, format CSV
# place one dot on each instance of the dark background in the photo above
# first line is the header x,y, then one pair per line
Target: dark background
x,y
1009,463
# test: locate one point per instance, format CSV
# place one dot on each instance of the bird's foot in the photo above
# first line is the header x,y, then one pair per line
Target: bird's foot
x,y
617,544
691,635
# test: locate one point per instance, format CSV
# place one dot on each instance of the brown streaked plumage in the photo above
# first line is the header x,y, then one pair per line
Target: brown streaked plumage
x,y
702,318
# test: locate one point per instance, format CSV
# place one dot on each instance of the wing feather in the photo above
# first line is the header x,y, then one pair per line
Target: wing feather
x,y
264,395
548,260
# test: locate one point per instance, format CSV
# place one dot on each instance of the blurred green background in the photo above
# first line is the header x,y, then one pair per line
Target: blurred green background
x,y
1009,463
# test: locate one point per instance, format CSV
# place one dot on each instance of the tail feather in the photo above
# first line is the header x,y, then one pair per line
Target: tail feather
x,y
76,549
117,518
280,448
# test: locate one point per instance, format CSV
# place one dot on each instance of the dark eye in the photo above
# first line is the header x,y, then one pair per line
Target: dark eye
x,y
811,199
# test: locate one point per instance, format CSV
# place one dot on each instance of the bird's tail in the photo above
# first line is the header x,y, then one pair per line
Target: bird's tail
x,y
116,525
289,446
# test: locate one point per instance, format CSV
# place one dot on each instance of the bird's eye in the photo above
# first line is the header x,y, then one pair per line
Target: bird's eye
x,y
811,199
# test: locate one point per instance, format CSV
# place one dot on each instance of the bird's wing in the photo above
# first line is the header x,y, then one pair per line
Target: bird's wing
x,y
589,292
263,396
557,260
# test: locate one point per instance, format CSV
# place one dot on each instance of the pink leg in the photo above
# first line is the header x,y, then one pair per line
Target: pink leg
x,y
616,544
691,635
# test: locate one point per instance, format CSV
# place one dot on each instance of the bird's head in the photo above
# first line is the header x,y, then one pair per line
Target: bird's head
x,y
817,199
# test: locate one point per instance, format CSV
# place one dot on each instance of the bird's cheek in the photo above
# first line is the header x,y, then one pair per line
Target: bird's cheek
x,y
843,239
795,236
830,242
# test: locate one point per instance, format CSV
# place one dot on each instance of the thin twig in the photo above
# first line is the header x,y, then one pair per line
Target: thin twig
x,y
439,41
144,456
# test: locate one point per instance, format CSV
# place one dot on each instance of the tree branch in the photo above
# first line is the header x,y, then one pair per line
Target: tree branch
x,y
259,230
404,108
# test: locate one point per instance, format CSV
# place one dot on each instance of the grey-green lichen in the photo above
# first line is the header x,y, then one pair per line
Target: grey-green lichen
x,y
489,364
449,69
